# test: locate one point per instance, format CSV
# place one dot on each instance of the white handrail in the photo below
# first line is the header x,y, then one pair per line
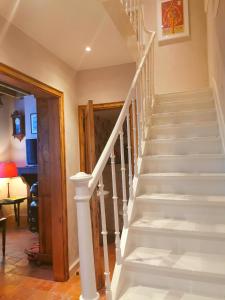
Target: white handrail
x,y
140,99
115,133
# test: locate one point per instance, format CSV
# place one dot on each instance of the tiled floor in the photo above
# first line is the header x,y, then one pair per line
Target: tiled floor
x,y
20,280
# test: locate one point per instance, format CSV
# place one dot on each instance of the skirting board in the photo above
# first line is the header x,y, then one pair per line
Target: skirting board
x,y
74,267
219,112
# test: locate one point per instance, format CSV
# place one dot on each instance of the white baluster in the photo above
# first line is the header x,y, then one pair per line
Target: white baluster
x,y
123,172
152,73
105,243
148,86
138,122
116,212
87,268
144,101
129,158
134,136
141,104
126,6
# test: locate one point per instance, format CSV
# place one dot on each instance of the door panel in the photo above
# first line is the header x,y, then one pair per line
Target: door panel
x,y
90,161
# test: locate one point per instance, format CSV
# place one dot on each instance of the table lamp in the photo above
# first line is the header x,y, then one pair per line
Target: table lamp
x,y
8,170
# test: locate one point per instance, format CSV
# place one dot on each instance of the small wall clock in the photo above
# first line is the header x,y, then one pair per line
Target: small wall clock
x,y
18,125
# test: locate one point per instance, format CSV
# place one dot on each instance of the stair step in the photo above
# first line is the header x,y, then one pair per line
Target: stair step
x,y
184,130
146,293
184,117
200,105
179,227
188,199
184,163
184,145
190,95
192,265
182,183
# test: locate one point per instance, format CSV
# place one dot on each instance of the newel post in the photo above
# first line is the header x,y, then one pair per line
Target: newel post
x,y
87,269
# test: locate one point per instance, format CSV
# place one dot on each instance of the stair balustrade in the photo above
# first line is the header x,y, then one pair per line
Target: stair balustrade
x,y
134,117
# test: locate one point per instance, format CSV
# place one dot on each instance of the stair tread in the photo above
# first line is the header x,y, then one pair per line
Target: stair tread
x,y
146,293
186,94
183,125
181,197
194,262
185,101
179,174
152,222
184,156
182,139
166,114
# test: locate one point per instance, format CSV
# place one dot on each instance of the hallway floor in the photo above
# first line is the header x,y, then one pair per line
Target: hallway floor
x,y
21,280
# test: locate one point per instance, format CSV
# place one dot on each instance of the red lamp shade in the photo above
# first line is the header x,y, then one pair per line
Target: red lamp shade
x,y
8,170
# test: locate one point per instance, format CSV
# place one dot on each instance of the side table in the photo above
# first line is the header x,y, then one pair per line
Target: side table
x,y
16,203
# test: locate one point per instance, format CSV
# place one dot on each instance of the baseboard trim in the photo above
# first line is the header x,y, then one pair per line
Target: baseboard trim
x,y
219,112
74,267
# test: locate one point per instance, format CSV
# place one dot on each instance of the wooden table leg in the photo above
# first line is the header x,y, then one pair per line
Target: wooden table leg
x,y
3,238
15,213
18,214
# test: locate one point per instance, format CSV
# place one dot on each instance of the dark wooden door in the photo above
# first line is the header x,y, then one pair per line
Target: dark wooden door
x,y
52,210
44,179
90,161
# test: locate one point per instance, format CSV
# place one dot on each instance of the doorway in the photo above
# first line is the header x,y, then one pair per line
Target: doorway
x,y
96,122
53,237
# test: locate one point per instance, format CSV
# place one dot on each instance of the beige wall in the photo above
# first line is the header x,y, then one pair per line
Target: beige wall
x,y
5,130
21,52
105,84
181,66
216,46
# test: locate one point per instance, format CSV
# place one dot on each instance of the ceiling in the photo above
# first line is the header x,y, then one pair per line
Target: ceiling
x,y
66,27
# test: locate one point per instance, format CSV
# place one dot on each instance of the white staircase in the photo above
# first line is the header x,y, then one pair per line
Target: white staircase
x,y
175,245
172,245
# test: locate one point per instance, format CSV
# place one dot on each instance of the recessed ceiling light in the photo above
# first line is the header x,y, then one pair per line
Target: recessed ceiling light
x,y
88,49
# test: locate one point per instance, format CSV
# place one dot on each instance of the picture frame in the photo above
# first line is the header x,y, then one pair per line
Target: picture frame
x,y
18,123
172,20
33,123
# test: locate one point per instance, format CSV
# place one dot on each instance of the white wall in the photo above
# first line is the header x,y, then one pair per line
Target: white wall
x,y
216,49
108,84
181,66
22,53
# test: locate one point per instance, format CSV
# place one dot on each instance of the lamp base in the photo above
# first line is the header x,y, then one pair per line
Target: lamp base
x,y
8,195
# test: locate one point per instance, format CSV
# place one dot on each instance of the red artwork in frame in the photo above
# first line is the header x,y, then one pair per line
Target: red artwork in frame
x,y
172,19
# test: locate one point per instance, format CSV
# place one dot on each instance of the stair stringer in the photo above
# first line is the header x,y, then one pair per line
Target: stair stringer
x,y
117,278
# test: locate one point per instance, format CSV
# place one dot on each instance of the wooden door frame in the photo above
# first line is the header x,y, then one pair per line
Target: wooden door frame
x,y
81,113
59,230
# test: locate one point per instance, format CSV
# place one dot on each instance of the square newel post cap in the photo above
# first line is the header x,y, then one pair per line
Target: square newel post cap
x,y
82,192
81,177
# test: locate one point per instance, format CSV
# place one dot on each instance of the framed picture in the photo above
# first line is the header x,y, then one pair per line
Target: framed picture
x,y
172,20
18,122
33,123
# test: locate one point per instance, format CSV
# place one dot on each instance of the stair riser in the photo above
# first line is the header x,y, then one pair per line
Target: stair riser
x,y
180,118
198,164
183,131
182,185
193,97
188,100
209,214
183,106
139,276
183,147
178,243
